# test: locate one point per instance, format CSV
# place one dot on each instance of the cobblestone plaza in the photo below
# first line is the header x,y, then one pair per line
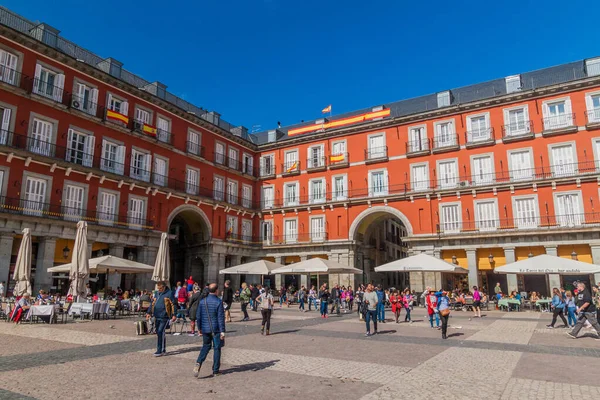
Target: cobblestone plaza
x,y
501,356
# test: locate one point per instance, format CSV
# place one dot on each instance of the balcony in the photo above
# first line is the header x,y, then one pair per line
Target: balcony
x,y
54,211
10,76
290,168
48,90
299,238
314,164
82,104
340,160
419,147
245,240
481,137
250,170
443,143
219,158
267,171
164,136
233,163
376,154
559,125
194,148
593,118
517,131
534,223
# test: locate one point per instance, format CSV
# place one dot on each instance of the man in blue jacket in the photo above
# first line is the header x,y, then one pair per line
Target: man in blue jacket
x,y
211,323
380,304
162,309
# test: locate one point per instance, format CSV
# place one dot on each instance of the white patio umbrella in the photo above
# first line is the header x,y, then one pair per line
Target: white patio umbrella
x,y
260,267
79,271
162,266
22,274
420,263
548,264
316,266
108,264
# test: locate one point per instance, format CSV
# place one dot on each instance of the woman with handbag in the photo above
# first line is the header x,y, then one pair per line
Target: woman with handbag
x,y
443,308
265,300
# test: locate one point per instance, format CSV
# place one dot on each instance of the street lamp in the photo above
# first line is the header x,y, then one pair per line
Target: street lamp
x,y
530,255
130,256
66,251
491,258
100,253
454,260
574,255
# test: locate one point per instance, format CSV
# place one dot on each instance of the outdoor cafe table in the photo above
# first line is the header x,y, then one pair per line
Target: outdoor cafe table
x,y
543,303
42,311
508,302
89,308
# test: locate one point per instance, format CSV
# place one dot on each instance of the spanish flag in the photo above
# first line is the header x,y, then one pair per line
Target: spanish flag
x,y
118,117
326,109
149,130
229,231
292,167
337,157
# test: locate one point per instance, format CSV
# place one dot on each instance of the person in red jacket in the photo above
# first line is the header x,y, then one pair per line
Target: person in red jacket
x,y
182,298
431,300
396,300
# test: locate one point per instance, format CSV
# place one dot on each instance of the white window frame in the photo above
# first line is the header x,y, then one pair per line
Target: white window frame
x,y
486,225
345,152
294,202
569,220
35,145
247,168
58,83
263,170
312,200
487,131
116,166
334,194
287,165
192,186
448,185
458,223
219,195
386,182
381,151
246,200
101,214
220,157
7,120
422,143
231,225
162,135
268,238
68,212
511,82
137,221
560,169
143,112
489,178
560,121
232,198
268,204
523,175
451,133
419,186
9,70
593,114
290,237
509,131
536,208
233,162
89,105
194,147
320,162
246,236
157,178
35,207
83,157
123,103
144,173
317,236
444,99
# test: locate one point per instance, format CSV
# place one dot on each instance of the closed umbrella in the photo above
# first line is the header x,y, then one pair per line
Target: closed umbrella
x,y
162,266
22,274
80,267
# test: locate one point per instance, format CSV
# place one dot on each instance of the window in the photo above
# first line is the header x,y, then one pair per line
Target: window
x,y
267,232
48,83
193,143
140,165
317,229
520,162
267,197
41,138
267,165
291,161
247,196
316,159
233,158
516,121
417,139
377,147
248,164
316,191
563,160
291,230
338,149
525,212
113,157
419,176
219,153
137,212
73,202
444,134
246,230
163,130
231,226
107,208
378,183
232,192
142,116
513,83
160,171
486,215
557,114
569,209
80,148
290,191
444,99
340,191
478,128
5,114
448,173
8,67
85,98
450,217
219,188
35,196
482,169
592,102
192,181
117,105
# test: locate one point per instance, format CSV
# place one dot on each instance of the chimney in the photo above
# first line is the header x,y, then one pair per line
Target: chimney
x,y
156,88
45,34
111,67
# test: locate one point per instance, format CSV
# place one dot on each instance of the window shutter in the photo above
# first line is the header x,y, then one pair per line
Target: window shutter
x,y
109,102
38,72
94,101
59,83
88,157
69,144
120,155
125,108
148,165
568,109
545,111
80,95
5,126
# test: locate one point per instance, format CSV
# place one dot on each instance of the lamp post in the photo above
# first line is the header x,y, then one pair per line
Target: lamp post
x,y
491,258
66,251
454,260
574,255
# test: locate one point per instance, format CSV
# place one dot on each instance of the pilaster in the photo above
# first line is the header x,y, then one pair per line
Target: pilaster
x,y
472,267
512,282
45,260
116,250
6,244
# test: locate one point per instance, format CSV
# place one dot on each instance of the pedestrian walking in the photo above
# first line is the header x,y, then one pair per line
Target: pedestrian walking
x,y
476,302
397,304
163,310
211,321
282,296
431,301
408,303
381,298
301,294
266,309
324,300
558,306
227,300
370,303
358,298
443,309
335,299
312,298
571,307
254,292
194,300
586,310
245,296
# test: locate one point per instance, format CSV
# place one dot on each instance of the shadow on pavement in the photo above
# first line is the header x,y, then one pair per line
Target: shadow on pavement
x,y
386,332
282,332
249,367
456,334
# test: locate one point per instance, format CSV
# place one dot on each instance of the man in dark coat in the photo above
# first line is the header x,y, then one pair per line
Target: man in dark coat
x,y
210,318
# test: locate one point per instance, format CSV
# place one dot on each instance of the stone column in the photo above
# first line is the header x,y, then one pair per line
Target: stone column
x,y
595,247
235,279
45,260
303,277
511,279
6,244
146,255
278,260
115,249
553,279
472,266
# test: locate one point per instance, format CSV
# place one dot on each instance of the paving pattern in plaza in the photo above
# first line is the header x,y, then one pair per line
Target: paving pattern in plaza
x,y
501,356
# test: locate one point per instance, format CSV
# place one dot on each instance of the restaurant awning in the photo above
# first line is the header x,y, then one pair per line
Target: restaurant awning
x,y
260,267
318,266
420,263
106,264
548,264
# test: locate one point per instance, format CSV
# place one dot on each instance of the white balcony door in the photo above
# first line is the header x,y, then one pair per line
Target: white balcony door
x,y
192,177
73,208
563,160
5,125
520,165
378,183
418,139
219,153
267,232
450,215
35,195
338,148
160,171
136,212
246,230
41,138
483,170
317,229
246,196
267,197
557,115
445,135
525,213
516,122
317,191
448,173
478,128
218,189
291,195
339,188
107,208
80,148
291,231
315,157
568,208
163,129
8,67
486,216
593,108
376,146
291,159
420,177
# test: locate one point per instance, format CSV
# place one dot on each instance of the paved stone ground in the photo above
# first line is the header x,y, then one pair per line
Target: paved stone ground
x,y
501,356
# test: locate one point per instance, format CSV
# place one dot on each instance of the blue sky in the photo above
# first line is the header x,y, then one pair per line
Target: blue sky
x,y
262,61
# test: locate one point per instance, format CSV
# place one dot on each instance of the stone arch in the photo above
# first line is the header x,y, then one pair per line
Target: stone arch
x,y
374,211
195,209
